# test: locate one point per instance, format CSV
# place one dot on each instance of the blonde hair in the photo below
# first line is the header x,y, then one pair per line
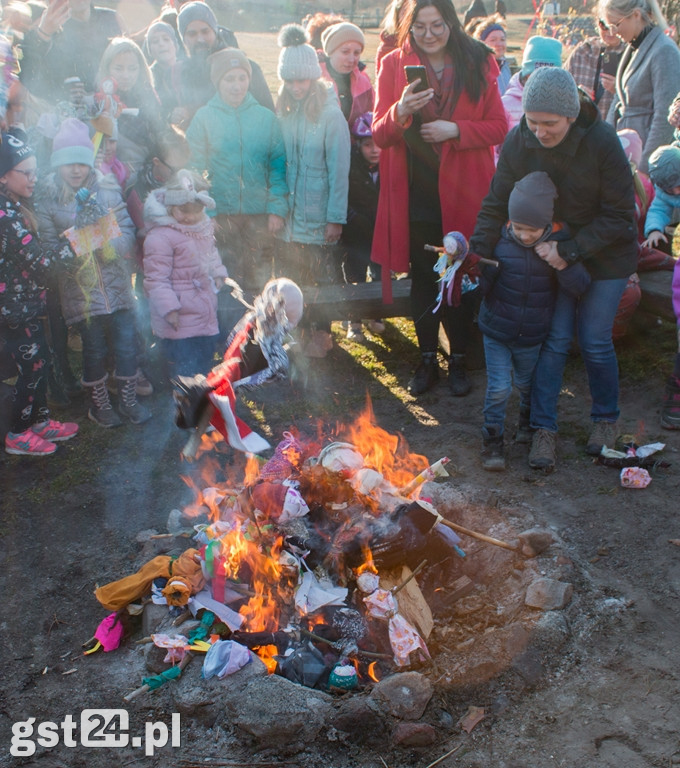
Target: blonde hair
x,y
143,88
312,105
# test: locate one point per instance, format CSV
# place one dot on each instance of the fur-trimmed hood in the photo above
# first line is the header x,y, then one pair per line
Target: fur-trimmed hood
x,y
156,215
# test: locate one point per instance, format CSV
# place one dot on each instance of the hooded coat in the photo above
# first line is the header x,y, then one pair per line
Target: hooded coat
x,y
318,171
243,152
181,263
98,286
595,194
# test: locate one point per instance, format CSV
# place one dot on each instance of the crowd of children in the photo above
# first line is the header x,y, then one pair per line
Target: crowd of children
x,y
162,168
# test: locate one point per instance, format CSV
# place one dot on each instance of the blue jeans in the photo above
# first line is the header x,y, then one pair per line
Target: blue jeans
x,y
118,328
187,357
503,363
592,317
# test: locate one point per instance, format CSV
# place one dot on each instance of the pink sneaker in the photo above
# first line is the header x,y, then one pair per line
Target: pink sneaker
x,y
28,444
54,431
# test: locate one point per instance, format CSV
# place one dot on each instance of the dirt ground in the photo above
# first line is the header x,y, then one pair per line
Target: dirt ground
x,y
610,696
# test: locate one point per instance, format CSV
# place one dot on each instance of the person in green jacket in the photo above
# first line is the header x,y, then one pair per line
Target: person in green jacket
x,y
239,143
317,143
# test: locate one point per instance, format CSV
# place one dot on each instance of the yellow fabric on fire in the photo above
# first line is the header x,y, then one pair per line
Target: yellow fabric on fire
x,y
117,594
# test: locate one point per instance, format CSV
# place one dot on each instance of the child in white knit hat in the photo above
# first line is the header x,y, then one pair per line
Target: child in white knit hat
x,y
183,273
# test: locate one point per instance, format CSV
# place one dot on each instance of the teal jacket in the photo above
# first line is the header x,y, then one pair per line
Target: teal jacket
x,y
318,171
242,150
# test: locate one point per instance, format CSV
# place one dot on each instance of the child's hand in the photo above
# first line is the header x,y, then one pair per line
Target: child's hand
x,y
275,224
654,238
172,318
548,252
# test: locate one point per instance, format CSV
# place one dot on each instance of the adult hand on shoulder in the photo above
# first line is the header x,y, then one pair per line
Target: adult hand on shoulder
x,y
608,82
58,11
548,252
332,233
172,318
275,224
410,102
654,238
439,130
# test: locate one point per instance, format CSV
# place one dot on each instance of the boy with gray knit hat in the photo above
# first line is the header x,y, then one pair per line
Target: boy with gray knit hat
x,y
515,314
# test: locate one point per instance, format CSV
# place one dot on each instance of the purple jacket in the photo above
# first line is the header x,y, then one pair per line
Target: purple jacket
x,y
180,266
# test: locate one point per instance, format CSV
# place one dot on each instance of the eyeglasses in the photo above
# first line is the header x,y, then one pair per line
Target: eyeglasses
x,y
615,24
30,175
437,29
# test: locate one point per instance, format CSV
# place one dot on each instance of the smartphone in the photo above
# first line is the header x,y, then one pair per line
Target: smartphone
x,y
417,72
610,62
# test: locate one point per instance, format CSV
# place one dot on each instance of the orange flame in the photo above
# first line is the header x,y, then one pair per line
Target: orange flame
x,y
386,453
371,672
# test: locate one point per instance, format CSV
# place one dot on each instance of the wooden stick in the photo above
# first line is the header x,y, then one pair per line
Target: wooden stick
x,y
480,536
418,569
191,448
144,688
359,652
441,249
443,757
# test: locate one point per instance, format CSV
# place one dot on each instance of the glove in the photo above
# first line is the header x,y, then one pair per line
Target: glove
x,y
191,399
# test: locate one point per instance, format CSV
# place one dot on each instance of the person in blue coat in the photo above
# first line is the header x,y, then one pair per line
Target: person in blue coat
x,y
517,308
317,143
664,171
239,143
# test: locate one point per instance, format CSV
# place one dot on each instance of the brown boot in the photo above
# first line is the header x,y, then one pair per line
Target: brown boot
x,y
127,400
101,411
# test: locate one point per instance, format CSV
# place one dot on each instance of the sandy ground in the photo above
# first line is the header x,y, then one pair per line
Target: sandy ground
x,y
608,697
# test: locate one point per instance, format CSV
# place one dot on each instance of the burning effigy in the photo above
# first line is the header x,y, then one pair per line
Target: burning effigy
x,y
321,561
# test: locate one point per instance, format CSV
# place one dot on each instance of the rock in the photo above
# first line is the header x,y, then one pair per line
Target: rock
x,y
550,633
153,617
359,716
529,667
414,735
278,712
492,653
548,594
153,658
404,695
535,540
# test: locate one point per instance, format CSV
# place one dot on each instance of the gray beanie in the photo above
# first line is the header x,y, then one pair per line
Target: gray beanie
x,y
297,60
664,166
551,90
531,201
195,12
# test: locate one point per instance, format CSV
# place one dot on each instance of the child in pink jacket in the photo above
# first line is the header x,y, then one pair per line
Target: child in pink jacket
x,y
183,273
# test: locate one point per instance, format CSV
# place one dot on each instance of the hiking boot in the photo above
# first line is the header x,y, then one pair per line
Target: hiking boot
x,y
524,433
459,384
355,332
542,454
425,377
101,411
28,444
604,434
54,431
143,387
492,452
375,326
127,401
670,410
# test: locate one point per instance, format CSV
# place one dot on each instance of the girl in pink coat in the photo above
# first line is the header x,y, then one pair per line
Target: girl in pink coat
x,y
183,273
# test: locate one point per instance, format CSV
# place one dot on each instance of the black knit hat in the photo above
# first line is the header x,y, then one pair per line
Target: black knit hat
x,y
13,150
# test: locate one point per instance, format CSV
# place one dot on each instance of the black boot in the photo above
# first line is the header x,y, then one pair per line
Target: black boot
x,y
524,432
492,452
459,384
426,375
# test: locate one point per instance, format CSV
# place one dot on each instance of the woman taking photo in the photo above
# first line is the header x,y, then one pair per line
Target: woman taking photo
x,y
648,76
435,169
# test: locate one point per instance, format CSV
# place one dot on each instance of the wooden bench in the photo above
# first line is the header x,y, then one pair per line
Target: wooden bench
x,y
656,294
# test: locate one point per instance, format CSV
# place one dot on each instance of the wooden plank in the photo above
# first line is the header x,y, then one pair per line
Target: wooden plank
x,y
656,293
362,301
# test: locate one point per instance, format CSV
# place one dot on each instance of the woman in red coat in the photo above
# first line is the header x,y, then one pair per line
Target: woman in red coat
x,y
435,169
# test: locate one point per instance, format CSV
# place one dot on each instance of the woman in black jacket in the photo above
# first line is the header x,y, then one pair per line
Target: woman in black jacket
x,y
564,136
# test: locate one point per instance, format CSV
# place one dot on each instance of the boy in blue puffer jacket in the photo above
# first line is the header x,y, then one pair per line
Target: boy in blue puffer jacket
x,y
664,171
518,304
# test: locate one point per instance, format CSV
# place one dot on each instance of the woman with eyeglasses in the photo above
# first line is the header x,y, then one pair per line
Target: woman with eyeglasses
x,y
648,76
593,64
435,169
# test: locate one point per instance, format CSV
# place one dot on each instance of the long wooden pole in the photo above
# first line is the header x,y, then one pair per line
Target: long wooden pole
x,y
480,536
